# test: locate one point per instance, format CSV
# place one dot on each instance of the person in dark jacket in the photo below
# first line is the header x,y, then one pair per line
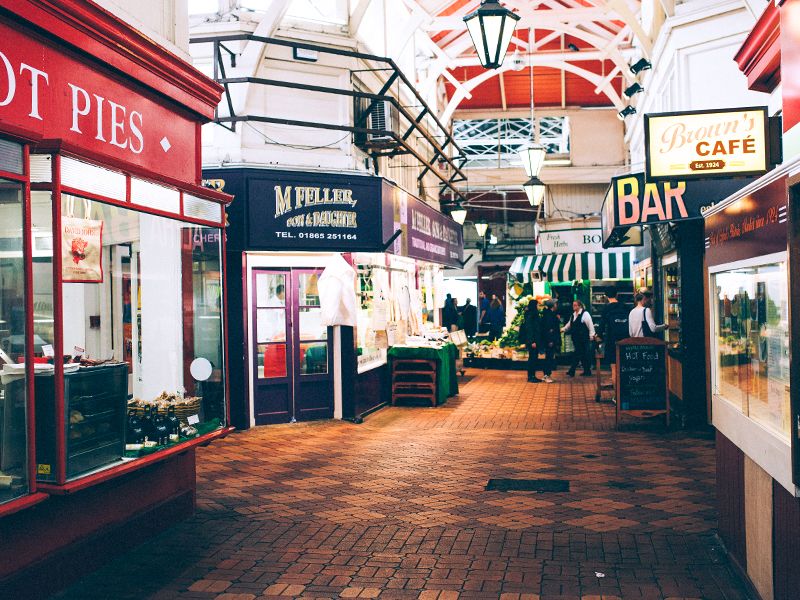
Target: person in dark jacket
x,y
483,316
450,314
581,328
530,336
613,328
550,338
497,319
470,315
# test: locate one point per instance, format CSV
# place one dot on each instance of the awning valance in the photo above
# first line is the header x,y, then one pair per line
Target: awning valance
x,y
569,267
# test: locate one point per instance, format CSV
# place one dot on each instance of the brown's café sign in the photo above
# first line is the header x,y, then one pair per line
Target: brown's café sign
x,y
632,201
684,145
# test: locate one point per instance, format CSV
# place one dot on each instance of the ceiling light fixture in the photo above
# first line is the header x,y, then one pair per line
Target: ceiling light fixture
x,y
626,112
481,227
640,65
534,189
459,213
491,28
573,47
632,90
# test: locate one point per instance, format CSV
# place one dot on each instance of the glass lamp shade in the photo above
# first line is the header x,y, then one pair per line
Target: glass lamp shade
x,y
459,214
491,28
534,189
481,227
532,158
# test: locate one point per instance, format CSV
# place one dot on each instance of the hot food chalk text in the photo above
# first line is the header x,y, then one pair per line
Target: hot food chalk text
x,y
708,143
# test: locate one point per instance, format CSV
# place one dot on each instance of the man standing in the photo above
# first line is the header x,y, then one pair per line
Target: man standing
x,y
640,319
483,319
530,337
581,328
470,315
550,338
613,328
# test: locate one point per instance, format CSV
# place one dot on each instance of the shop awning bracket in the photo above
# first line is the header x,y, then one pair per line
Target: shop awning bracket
x,y
395,235
455,161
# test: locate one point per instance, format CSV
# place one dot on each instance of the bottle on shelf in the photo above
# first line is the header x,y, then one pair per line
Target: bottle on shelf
x,y
134,432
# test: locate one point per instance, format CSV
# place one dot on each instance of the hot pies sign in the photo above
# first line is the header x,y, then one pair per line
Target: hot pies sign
x,y
703,144
47,92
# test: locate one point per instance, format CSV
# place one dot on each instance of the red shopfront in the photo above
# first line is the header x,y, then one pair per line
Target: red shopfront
x,y
112,340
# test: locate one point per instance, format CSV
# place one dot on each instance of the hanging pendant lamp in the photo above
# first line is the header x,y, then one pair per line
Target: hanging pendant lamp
x,y
491,28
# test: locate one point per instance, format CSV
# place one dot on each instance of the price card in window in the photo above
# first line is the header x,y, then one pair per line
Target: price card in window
x,y
77,351
47,350
193,420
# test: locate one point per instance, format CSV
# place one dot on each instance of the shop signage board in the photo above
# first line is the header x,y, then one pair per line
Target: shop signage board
x,y
707,143
428,234
633,201
755,225
570,241
56,95
642,378
315,212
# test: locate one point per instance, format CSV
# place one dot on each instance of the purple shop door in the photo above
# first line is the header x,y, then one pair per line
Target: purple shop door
x,y
291,348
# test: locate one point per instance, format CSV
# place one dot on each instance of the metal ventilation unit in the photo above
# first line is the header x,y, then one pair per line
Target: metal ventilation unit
x,y
382,119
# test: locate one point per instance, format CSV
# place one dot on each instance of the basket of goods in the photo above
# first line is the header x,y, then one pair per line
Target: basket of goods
x,y
183,406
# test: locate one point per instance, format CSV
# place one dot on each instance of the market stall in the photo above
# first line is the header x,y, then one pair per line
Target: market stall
x,y
112,339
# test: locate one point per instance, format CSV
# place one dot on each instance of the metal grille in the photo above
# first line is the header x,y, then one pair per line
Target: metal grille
x,y
199,208
10,157
496,142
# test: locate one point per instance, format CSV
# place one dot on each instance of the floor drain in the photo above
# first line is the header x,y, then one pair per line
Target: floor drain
x,y
527,485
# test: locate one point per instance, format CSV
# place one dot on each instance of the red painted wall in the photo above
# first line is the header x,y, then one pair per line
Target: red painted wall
x,y
70,536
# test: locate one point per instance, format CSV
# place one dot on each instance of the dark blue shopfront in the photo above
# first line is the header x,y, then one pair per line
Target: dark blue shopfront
x,y
282,229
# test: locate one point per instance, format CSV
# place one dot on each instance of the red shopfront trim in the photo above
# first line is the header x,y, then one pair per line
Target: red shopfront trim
x,y
23,503
93,30
30,373
86,481
759,58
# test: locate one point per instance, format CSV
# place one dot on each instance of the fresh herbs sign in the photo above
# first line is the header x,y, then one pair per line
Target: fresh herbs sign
x,y
316,211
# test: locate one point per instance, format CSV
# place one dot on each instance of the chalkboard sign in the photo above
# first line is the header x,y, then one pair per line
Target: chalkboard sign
x,y
642,376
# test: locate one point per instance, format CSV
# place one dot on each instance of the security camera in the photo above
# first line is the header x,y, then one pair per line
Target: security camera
x,y
517,61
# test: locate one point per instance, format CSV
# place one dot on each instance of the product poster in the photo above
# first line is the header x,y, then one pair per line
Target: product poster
x,y
81,250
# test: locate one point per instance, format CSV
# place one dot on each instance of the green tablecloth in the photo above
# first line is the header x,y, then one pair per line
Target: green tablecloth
x,y
445,357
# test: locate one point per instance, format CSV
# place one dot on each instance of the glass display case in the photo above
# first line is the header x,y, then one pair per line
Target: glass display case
x,y
751,349
13,375
672,305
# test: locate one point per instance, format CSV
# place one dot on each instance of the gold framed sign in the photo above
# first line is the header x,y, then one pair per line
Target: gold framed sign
x,y
701,144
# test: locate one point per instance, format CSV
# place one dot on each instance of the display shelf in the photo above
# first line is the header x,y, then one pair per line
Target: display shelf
x,y
129,465
22,503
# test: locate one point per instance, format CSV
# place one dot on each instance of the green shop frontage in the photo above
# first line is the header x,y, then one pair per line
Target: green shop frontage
x,y
563,278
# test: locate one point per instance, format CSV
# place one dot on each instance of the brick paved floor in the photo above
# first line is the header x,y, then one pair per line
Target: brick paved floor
x,y
397,508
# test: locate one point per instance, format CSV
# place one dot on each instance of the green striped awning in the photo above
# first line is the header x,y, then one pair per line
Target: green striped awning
x,y
569,267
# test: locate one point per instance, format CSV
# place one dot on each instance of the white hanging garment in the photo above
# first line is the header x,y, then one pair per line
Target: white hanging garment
x,y
337,293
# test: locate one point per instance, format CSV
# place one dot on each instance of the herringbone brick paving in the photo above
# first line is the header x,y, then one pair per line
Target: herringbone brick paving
x,y
396,508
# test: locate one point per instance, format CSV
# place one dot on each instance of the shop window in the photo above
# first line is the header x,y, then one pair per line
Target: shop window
x,y
751,321
13,381
142,333
271,324
374,297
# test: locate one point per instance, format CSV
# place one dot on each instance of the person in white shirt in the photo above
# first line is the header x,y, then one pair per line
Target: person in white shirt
x,y
581,328
640,319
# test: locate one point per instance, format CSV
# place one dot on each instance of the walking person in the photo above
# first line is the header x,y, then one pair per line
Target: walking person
x,y
483,317
581,328
496,318
613,328
530,334
640,319
550,338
